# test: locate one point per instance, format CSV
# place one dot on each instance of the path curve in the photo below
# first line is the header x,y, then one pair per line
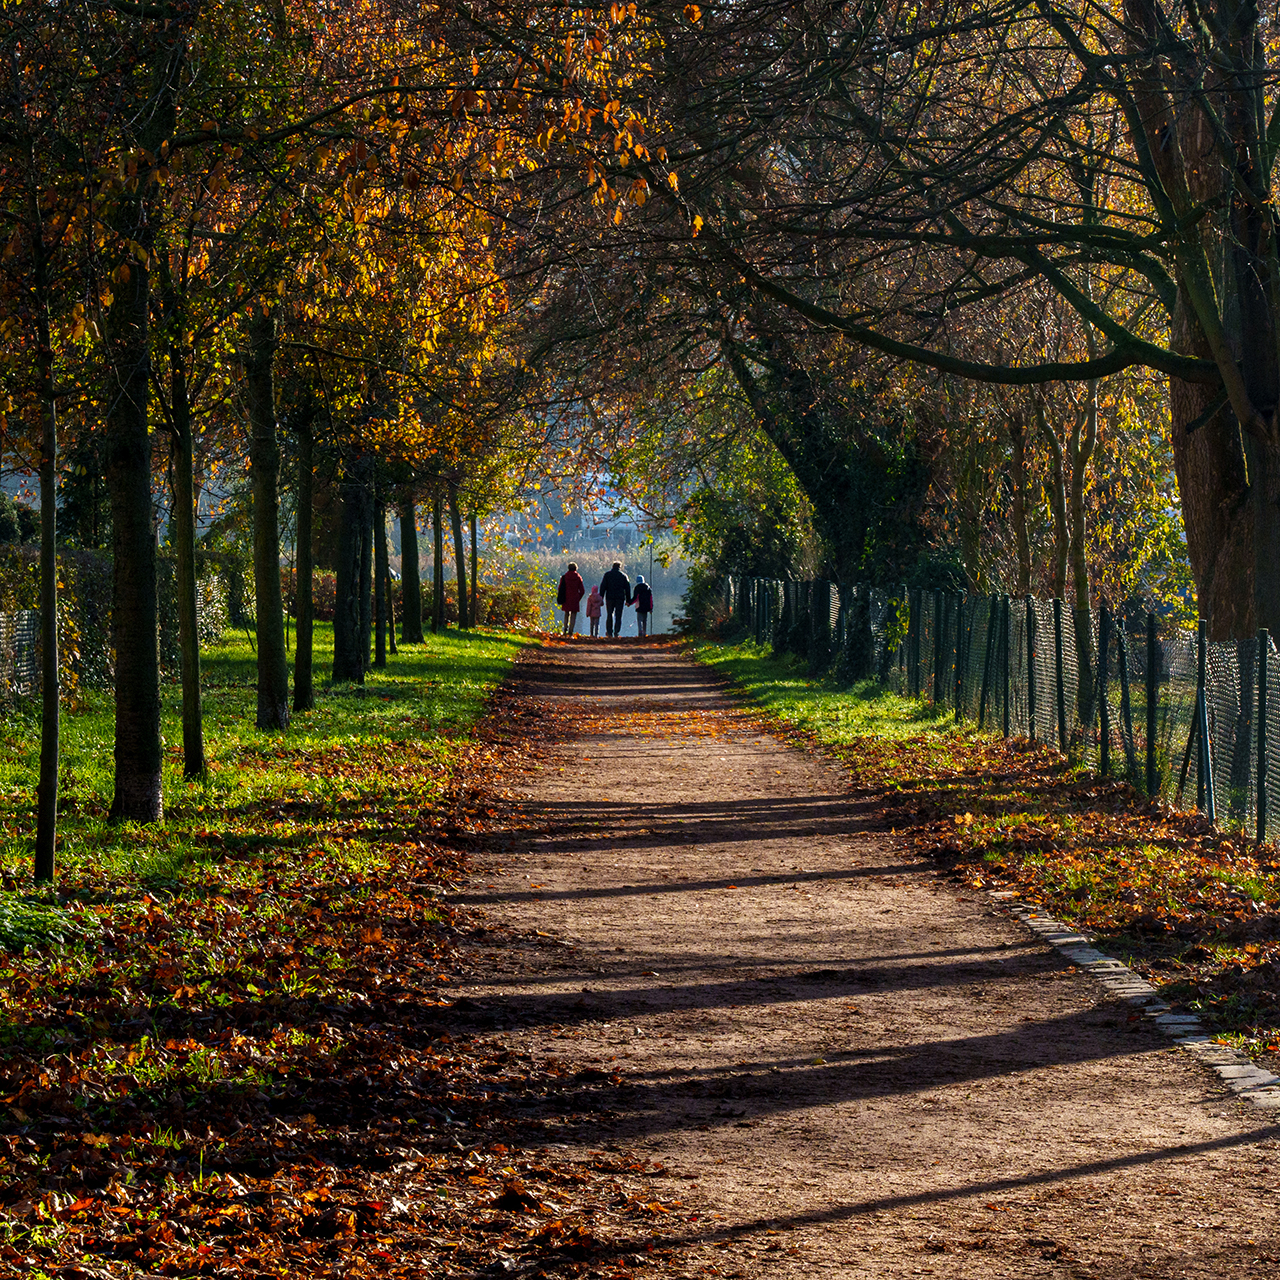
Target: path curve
x,y
852,1066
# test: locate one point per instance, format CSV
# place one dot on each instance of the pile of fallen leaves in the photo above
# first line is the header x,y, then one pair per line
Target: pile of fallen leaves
x,y
259,1069
1196,910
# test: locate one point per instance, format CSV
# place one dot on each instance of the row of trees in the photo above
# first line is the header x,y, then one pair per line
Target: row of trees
x,y
941,258
232,227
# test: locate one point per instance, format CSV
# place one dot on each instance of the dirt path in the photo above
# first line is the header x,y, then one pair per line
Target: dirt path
x,y
849,1065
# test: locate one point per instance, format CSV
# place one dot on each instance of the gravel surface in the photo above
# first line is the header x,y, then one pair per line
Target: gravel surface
x,y
847,1064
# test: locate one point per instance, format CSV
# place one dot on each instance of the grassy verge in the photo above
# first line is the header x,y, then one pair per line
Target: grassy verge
x,y
1195,910
360,745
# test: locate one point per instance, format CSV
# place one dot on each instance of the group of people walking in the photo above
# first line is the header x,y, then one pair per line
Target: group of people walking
x,y
614,594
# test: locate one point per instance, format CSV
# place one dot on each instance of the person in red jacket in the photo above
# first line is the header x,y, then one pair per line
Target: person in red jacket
x,y
569,597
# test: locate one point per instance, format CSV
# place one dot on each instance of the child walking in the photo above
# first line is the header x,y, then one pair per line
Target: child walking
x,y
595,603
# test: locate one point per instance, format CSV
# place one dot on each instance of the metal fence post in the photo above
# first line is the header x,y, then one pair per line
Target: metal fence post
x,y
1031,670
937,646
1153,693
1126,706
913,626
1264,644
1006,642
960,652
1204,779
1057,664
1104,712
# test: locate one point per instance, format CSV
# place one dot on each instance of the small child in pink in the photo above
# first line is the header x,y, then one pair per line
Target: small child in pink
x,y
594,604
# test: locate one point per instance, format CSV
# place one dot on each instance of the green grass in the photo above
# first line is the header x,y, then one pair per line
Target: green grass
x,y
835,716
348,753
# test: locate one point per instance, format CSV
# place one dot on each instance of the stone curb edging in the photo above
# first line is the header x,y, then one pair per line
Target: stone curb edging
x,y
1236,1070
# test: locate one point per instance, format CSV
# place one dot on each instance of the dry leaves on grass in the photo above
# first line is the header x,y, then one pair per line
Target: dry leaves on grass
x,y
1196,910
261,1070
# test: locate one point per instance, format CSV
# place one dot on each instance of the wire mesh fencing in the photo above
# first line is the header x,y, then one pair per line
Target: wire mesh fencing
x,y
19,654
1126,694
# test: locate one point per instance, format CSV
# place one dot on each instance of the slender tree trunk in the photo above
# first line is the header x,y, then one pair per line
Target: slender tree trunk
x,y
183,529
438,621
391,613
138,750
1022,543
348,660
184,538
304,696
1082,446
47,791
459,555
1058,503
134,632
264,460
410,576
366,579
381,574
475,576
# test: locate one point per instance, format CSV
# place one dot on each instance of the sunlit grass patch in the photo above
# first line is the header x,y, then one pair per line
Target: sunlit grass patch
x,y
836,716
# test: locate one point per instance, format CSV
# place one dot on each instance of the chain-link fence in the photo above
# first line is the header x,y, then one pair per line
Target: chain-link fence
x,y
19,641
1126,694
223,599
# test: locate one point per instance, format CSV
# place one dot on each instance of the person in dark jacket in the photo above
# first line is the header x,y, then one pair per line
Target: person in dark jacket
x,y
569,597
642,598
615,586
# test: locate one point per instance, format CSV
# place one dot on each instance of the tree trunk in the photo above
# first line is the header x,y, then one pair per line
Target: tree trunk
x,y
184,540
381,574
304,696
459,555
410,576
264,462
138,751
1058,503
438,620
366,578
475,578
183,526
1082,446
1264,474
50,711
348,660
1018,467
391,613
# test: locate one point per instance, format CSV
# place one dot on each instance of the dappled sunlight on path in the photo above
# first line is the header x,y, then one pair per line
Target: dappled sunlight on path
x,y
860,1065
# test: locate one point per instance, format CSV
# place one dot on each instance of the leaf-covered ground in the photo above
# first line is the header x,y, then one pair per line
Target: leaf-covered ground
x,y
1195,910
228,1044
